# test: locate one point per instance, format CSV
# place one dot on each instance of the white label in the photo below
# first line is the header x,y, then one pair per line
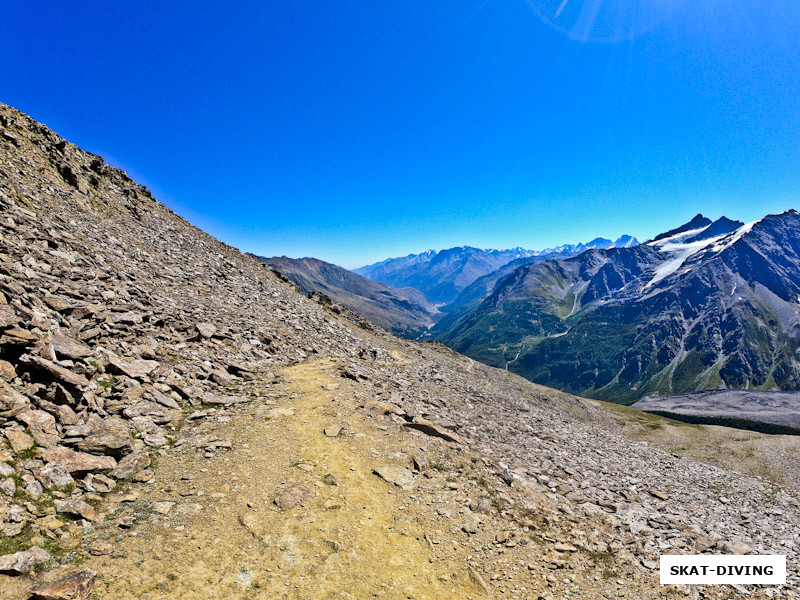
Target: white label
x,y
723,568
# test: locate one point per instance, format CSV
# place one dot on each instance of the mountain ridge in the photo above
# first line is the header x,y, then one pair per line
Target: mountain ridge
x,y
443,274
685,277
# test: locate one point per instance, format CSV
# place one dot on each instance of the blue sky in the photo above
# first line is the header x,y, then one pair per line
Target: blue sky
x,y
357,130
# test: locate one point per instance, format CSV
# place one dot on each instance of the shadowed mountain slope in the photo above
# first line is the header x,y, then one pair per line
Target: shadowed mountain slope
x,y
403,311
442,276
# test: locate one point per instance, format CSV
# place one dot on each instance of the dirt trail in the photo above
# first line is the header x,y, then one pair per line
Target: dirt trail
x,y
361,538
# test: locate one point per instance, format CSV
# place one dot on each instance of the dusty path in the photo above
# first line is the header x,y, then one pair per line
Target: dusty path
x,y
355,537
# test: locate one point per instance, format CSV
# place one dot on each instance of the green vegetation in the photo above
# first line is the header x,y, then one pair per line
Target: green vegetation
x,y
26,539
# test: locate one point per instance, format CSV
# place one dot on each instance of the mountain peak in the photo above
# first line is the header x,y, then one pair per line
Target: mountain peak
x,y
626,241
697,222
721,226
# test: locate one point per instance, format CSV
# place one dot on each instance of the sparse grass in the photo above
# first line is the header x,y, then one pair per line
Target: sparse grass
x,y
25,454
106,383
25,539
597,556
772,495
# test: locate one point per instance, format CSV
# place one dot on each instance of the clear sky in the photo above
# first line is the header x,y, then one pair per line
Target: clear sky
x,y
357,130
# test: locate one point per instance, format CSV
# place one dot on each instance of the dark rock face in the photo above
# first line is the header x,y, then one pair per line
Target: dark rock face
x,y
697,222
623,323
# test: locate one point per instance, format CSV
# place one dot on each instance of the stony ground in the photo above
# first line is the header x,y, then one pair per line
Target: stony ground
x,y
211,524
178,421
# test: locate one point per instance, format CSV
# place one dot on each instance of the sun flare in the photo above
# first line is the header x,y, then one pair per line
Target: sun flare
x,y
604,20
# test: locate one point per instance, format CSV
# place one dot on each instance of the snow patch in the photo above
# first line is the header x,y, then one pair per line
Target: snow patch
x,y
678,237
734,237
679,252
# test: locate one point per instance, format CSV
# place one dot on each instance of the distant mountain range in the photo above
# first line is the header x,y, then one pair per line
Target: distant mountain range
x,y
442,275
403,311
706,305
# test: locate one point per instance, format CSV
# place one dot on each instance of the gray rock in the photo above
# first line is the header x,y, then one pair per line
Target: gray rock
x,y
23,562
109,436
131,464
66,347
8,487
78,461
135,369
206,330
53,370
292,497
54,476
400,476
76,507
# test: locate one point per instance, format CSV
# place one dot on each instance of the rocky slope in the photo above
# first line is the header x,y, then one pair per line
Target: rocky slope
x,y
704,306
403,311
177,421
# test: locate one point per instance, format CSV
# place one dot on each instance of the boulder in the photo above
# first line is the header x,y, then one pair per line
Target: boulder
x,y
42,427
23,562
11,401
293,496
16,336
160,398
223,400
76,508
400,476
95,482
8,316
78,462
110,436
19,441
432,429
55,371
205,331
7,370
158,414
131,464
54,476
66,347
135,369
73,587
